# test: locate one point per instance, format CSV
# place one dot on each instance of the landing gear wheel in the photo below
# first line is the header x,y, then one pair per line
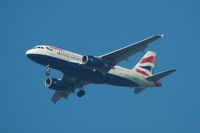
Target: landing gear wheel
x,y
81,93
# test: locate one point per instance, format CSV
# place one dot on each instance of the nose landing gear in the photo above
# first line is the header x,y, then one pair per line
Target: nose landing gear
x,y
48,71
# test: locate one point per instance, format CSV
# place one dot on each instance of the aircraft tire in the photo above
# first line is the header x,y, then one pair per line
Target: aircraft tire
x,y
81,93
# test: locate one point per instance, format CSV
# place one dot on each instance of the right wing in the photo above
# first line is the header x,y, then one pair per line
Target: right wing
x,y
124,53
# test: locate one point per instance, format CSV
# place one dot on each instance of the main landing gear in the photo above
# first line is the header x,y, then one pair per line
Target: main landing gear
x,y
48,71
80,93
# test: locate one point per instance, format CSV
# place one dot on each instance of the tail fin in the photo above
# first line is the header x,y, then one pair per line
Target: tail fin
x,y
146,65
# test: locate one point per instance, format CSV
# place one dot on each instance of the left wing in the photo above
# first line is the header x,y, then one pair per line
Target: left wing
x,y
124,53
138,90
58,94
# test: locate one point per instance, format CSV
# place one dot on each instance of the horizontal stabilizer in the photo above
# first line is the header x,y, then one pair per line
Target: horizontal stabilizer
x,y
160,75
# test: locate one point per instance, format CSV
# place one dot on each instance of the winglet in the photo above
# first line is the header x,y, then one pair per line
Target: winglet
x,y
162,35
159,36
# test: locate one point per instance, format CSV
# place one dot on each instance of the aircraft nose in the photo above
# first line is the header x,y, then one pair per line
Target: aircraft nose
x,y
28,53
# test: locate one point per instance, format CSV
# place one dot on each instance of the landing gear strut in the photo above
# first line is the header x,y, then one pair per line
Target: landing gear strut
x,y
81,93
48,71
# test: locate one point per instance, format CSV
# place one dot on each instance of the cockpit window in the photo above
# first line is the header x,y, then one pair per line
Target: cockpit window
x,y
38,47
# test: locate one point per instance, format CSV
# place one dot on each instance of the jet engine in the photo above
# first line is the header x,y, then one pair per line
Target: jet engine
x,y
92,61
56,84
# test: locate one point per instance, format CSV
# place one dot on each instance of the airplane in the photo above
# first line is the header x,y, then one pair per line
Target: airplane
x,y
81,70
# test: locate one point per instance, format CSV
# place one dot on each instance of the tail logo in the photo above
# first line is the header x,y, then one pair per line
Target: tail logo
x,y
150,59
146,65
149,68
141,72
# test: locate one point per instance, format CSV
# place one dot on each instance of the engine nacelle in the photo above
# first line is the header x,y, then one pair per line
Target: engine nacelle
x,y
92,61
56,84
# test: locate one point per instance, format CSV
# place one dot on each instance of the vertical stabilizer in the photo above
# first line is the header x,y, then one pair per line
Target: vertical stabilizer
x,y
146,65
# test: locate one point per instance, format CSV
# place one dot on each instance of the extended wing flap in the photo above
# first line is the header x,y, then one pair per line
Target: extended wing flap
x,y
160,75
124,53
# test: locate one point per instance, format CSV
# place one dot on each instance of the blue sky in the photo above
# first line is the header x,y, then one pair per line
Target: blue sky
x,y
97,27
